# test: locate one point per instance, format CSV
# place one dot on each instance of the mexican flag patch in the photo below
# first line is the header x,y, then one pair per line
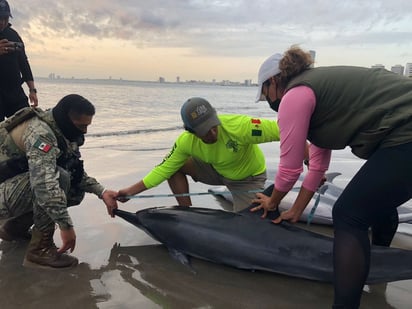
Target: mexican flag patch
x,y
39,144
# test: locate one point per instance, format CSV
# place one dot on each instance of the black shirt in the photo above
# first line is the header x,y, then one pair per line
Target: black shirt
x,y
14,66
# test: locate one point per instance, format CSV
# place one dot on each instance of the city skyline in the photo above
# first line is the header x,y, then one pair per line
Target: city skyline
x,y
397,68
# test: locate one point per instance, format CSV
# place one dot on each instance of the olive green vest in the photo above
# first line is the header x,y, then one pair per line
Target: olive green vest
x,y
363,108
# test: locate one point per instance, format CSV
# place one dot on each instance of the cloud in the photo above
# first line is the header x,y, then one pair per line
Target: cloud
x,y
222,28
220,23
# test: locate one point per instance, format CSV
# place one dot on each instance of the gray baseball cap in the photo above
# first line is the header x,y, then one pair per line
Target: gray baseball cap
x,y
199,116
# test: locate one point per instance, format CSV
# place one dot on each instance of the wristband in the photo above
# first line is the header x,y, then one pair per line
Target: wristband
x,y
101,194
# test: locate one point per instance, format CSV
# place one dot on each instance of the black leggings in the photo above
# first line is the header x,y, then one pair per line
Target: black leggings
x,y
383,183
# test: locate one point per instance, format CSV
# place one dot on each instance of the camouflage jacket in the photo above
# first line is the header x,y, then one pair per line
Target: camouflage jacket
x,y
40,140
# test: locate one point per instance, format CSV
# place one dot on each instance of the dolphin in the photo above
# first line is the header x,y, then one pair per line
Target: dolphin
x,y
319,209
246,241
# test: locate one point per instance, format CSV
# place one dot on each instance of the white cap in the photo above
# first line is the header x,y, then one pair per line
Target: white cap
x,y
269,68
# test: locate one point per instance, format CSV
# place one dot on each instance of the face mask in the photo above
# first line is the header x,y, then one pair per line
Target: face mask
x,y
274,104
65,124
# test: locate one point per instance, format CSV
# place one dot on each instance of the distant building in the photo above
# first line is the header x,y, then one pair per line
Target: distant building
x,y
398,69
178,79
248,82
378,66
161,79
408,70
313,54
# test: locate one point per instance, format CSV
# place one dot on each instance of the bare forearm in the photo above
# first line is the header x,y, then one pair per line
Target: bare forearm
x,y
302,200
276,198
30,84
133,189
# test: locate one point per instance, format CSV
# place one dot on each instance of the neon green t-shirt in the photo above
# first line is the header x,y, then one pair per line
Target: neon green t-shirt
x,y
235,155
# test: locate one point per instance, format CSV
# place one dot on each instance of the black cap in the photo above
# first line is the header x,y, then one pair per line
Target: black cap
x,y
5,9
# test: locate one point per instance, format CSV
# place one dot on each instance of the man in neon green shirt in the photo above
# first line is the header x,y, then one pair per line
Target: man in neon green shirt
x,y
216,150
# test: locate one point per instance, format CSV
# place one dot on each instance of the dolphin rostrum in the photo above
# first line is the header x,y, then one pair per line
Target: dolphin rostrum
x,y
244,240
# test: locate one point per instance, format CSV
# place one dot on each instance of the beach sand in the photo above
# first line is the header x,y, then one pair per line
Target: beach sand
x,y
122,267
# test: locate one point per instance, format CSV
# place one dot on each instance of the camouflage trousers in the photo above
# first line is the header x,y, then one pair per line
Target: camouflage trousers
x,y
17,199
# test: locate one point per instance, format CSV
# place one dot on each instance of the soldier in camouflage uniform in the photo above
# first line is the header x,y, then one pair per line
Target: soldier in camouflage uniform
x,y
41,174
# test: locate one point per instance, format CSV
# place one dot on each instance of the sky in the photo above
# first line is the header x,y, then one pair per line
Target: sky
x,y
206,40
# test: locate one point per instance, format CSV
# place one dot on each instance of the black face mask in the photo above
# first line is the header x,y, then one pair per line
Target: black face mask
x,y
274,104
65,124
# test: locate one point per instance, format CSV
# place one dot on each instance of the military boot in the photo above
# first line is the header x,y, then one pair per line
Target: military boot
x,y
17,228
42,252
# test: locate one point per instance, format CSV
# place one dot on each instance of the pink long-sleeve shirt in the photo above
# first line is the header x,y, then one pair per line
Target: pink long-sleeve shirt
x,y
294,116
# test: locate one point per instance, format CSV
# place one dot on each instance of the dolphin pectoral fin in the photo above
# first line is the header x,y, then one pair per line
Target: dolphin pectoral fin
x,y
181,258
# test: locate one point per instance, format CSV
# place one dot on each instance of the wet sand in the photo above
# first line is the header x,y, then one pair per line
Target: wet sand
x,y
122,267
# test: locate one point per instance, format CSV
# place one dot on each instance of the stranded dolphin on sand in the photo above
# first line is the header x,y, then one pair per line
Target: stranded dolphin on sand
x,y
319,209
243,241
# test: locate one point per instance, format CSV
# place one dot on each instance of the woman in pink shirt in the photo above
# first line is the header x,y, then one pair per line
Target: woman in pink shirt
x,y
369,110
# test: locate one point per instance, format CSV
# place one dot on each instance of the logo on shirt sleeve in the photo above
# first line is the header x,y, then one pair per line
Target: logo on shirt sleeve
x,y
256,131
43,146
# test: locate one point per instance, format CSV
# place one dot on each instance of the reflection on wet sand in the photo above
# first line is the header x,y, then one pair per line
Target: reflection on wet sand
x,y
154,274
147,277
152,271
22,287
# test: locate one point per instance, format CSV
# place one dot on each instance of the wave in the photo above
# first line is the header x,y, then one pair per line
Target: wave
x,y
126,148
132,132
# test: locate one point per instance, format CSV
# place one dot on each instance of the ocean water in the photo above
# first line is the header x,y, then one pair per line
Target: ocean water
x,y
145,116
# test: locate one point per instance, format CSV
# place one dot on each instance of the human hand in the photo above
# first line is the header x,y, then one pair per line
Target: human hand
x,y
287,215
110,199
264,202
33,99
68,238
121,196
6,47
